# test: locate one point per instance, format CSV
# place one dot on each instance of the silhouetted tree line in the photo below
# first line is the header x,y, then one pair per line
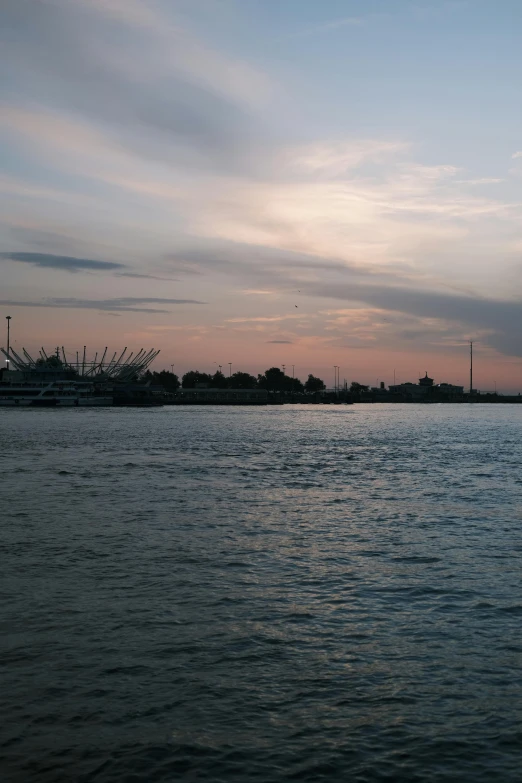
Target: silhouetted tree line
x,y
52,362
168,380
273,380
358,388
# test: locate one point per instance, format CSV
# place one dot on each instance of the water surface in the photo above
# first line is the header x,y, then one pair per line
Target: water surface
x,y
323,593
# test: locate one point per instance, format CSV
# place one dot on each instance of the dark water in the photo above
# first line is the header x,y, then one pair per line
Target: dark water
x,y
311,594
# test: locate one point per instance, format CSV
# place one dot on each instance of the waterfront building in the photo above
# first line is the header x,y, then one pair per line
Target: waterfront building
x,y
449,390
426,389
412,392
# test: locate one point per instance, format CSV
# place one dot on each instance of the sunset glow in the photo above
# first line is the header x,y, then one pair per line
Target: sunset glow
x,y
299,183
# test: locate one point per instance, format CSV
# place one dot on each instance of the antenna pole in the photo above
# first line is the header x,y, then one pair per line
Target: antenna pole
x,y
8,319
471,367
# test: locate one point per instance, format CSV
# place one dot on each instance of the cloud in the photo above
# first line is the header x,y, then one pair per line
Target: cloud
x,y
169,156
258,292
499,322
67,263
332,159
481,181
280,342
261,319
181,102
262,264
122,304
365,203
146,277
517,155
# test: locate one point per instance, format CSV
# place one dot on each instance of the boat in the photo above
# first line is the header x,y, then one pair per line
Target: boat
x,y
53,380
52,394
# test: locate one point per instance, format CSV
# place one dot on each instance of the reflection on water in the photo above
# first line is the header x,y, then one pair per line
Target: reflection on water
x,y
244,594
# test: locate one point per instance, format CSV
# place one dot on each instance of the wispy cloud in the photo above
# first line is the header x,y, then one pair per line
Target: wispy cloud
x,y
66,263
183,163
258,292
187,99
498,321
480,181
261,319
123,304
138,276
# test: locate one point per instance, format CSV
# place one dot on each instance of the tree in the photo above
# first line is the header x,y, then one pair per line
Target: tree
x,y
193,377
272,380
219,381
242,380
314,384
357,388
295,385
168,380
53,362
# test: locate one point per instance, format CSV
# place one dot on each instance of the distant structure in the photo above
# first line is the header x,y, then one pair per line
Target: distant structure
x,y
426,388
122,367
427,382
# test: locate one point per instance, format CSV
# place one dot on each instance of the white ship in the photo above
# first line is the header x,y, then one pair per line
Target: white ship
x,y
51,394
53,380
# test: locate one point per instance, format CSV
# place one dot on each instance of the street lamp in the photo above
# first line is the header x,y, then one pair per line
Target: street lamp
x,y
230,369
8,319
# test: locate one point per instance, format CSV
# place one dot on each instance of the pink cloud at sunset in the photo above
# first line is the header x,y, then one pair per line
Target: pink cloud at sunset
x,y
193,201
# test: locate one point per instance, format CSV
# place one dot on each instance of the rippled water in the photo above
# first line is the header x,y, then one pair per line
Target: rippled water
x,y
300,593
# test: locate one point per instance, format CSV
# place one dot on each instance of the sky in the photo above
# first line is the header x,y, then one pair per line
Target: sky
x,y
266,183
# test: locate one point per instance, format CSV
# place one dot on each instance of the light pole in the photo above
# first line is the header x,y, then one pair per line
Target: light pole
x,y
230,369
471,367
172,368
335,378
8,319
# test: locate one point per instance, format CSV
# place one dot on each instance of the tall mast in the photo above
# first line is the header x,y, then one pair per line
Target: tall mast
x,y
471,366
8,319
